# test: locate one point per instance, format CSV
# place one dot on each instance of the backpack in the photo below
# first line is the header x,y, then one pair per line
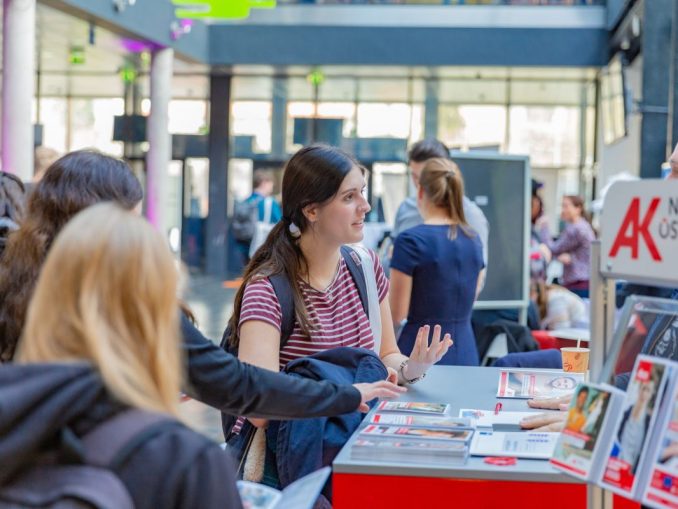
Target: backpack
x,y
91,483
356,259
245,218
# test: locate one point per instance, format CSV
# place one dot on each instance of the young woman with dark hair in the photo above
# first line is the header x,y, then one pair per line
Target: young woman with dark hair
x,y
437,266
72,183
324,208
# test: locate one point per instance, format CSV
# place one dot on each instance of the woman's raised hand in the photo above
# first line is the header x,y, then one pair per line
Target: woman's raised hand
x,y
423,355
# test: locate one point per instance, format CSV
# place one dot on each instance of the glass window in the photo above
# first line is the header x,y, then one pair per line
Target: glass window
x,y
196,187
187,117
472,126
472,91
92,124
53,120
384,120
550,135
253,118
342,110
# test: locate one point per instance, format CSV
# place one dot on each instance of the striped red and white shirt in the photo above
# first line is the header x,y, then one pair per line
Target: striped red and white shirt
x,y
336,313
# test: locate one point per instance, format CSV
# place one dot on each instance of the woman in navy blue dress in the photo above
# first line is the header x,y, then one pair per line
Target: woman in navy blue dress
x,y
436,265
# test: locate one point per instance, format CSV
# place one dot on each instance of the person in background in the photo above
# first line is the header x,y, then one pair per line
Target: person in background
x,y
268,209
673,163
437,266
573,246
262,194
43,157
558,307
12,197
84,178
102,337
408,214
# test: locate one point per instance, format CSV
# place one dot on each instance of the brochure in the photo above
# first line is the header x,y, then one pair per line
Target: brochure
x,y
626,462
416,407
421,421
410,451
519,444
491,419
661,485
376,431
529,383
587,435
301,494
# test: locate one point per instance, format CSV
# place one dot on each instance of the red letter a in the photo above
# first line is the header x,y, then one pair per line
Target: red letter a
x,y
632,219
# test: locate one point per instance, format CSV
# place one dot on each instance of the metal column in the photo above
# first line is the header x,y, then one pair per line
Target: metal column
x,y
160,142
672,136
217,227
431,104
656,77
279,119
18,85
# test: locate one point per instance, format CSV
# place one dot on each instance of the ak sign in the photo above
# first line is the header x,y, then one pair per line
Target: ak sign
x,y
639,232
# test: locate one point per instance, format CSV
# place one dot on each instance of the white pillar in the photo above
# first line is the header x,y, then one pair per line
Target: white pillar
x,y
159,152
18,85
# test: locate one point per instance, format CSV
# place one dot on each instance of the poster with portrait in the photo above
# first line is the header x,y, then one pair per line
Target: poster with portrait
x,y
530,383
661,484
588,430
627,457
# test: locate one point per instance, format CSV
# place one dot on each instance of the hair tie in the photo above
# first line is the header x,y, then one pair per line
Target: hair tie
x,y
294,230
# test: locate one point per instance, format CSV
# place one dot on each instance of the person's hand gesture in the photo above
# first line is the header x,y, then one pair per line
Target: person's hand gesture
x,y
548,421
423,355
381,389
557,403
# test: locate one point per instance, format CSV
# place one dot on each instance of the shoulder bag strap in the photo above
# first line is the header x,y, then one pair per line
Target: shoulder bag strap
x,y
369,281
283,291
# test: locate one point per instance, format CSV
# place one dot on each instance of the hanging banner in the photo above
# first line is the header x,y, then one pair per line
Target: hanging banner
x,y
218,9
639,232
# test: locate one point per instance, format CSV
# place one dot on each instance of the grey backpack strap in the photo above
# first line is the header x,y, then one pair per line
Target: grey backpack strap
x,y
111,442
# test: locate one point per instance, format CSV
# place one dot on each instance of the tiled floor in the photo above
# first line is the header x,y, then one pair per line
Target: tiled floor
x,y
212,305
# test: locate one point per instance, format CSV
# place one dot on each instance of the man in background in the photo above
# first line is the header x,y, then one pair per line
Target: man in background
x,y
408,215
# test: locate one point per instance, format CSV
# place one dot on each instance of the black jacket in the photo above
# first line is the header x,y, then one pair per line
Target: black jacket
x,y
177,468
220,380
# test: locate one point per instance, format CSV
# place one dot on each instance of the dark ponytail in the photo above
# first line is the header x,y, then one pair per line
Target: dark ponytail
x,y
313,175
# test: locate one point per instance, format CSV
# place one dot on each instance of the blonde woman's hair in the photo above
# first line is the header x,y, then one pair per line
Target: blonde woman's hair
x,y
107,295
443,185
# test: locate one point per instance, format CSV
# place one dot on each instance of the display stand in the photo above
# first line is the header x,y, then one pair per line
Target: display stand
x,y
637,244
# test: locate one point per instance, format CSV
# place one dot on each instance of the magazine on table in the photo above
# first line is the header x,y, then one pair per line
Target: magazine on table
x,y
422,407
626,462
531,383
420,421
493,419
519,444
660,487
437,452
587,435
301,494
377,431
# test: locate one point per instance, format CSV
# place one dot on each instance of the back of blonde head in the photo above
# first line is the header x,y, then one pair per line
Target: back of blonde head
x,y
443,185
107,294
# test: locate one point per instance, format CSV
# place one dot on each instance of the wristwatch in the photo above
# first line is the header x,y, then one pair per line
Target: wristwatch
x,y
401,369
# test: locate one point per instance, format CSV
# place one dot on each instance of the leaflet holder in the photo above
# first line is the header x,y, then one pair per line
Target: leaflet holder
x,y
639,244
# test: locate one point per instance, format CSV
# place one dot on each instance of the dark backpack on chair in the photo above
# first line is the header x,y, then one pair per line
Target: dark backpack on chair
x,y
239,444
91,483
